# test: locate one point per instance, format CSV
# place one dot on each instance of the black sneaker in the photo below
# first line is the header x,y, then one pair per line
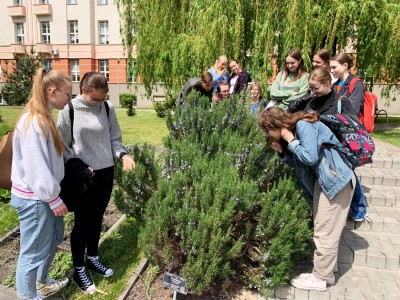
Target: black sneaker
x,y
82,279
94,264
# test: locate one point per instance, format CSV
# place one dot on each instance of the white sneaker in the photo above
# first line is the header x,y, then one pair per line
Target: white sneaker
x,y
51,286
309,282
38,297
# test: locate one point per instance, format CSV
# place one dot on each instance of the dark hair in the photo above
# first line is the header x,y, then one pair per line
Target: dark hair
x,y
296,54
206,77
94,80
344,58
219,85
277,118
324,55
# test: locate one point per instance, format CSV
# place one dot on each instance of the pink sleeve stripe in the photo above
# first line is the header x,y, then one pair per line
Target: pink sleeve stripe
x,y
55,199
22,191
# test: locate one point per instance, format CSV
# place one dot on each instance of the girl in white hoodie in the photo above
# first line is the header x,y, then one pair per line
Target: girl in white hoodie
x,y
37,170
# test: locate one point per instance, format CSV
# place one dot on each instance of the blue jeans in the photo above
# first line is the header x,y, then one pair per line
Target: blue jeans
x,y
358,204
41,232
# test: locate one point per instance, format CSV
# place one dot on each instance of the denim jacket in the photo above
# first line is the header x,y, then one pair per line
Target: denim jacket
x,y
313,161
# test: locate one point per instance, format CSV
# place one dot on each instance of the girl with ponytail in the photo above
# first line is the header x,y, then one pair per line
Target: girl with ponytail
x,y
37,170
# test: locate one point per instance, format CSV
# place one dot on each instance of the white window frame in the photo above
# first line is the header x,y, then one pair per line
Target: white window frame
x,y
74,32
104,68
72,2
104,33
134,78
20,33
102,2
48,64
75,70
45,31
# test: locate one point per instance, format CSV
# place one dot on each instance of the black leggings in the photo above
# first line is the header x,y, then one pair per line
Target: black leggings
x,y
89,216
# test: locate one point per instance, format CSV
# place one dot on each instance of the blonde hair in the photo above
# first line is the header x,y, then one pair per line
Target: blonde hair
x,y
215,66
320,74
37,105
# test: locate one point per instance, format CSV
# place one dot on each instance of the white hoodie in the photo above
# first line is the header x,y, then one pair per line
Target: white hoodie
x,y
37,168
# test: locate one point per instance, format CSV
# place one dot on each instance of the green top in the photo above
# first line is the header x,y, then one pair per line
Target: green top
x,y
285,91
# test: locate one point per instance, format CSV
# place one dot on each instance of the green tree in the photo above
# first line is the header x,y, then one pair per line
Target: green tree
x,y
179,39
19,81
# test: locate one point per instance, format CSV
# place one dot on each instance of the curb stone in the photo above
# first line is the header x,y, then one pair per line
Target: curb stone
x,y
137,273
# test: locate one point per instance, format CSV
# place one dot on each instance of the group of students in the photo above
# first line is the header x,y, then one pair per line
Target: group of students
x,y
292,126
40,148
290,119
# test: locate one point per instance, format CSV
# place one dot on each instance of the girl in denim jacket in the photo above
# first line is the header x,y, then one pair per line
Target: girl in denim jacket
x,y
304,143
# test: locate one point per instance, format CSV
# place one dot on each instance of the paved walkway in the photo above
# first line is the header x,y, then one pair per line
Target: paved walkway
x,y
369,252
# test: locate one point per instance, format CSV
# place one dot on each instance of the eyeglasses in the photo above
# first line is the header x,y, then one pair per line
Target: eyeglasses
x,y
68,95
97,100
314,88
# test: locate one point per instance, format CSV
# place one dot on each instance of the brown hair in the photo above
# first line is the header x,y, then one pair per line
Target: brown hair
x,y
221,83
344,58
321,75
94,80
277,118
206,77
37,105
324,55
296,54
258,85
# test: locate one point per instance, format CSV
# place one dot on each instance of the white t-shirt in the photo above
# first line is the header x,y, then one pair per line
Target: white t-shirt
x,y
232,83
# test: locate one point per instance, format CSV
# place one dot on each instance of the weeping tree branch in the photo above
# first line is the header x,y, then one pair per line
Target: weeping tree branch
x,y
177,39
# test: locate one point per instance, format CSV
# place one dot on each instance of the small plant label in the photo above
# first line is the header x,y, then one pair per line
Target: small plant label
x,y
175,283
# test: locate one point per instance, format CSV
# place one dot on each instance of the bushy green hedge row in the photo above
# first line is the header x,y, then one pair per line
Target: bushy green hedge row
x,y
224,207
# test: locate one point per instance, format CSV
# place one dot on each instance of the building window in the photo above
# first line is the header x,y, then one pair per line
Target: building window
x,y
104,68
103,2
19,30
74,66
18,2
44,1
73,32
103,29
45,32
132,72
47,65
72,1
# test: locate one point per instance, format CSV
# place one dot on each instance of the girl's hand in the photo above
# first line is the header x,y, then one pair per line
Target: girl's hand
x,y
61,210
287,135
276,146
128,163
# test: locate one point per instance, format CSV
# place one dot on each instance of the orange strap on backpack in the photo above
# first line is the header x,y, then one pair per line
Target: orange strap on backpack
x,y
367,115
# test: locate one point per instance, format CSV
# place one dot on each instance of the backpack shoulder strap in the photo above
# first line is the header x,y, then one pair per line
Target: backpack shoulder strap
x,y
107,108
71,117
352,84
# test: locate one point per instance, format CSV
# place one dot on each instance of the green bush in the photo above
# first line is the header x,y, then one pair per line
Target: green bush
x,y
134,188
128,101
162,108
224,207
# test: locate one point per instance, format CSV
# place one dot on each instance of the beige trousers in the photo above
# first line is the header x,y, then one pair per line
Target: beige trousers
x,y
329,220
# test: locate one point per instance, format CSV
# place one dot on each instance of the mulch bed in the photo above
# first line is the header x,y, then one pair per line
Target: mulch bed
x,y
9,250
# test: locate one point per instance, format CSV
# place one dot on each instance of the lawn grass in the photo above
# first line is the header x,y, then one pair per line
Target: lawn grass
x,y
145,127
119,251
391,136
8,218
